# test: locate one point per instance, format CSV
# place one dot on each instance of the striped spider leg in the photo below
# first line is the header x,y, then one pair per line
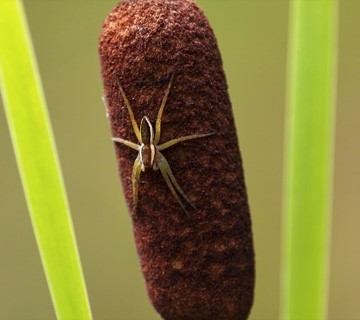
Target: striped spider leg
x,y
149,149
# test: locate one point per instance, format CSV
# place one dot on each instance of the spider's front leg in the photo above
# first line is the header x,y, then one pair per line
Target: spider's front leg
x,y
135,179
170,180
136,171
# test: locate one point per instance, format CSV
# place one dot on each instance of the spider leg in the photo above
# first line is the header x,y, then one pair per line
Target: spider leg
x,y
158,120
171,181
171,187
127,143
177,140
135,178
131,114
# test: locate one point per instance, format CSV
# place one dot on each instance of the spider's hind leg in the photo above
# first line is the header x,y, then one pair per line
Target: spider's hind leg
x,y
128,107
158,120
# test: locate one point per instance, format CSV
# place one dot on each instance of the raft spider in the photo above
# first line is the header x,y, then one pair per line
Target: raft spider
x,y
149,155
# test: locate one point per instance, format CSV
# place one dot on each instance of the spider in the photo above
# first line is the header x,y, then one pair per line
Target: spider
x,y
149,149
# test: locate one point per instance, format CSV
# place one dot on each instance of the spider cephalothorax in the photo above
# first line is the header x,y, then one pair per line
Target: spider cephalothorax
x,y
149,155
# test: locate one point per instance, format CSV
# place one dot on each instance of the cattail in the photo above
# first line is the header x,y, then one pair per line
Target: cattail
x,y
196,249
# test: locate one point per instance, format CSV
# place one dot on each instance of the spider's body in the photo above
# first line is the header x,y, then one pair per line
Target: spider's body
x,y
149,155
147,151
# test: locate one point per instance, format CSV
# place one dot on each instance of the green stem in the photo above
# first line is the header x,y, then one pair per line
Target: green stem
x,y
309,158
38,164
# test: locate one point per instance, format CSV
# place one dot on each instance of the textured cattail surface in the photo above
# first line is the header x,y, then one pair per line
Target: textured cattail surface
x,y
200,264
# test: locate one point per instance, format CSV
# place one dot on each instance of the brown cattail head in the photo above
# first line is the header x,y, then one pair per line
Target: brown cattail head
x,y
198,265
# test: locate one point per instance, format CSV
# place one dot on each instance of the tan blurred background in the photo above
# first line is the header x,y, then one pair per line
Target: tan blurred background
x,y
252,36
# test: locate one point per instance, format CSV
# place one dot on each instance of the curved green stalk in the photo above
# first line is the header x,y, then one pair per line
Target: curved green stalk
x,y
38,165
309,158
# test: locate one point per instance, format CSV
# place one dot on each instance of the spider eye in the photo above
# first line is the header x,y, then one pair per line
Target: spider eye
x,y
146,131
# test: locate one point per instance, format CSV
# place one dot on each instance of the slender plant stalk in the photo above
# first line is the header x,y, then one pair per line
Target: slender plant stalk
x,y
309,158
38,164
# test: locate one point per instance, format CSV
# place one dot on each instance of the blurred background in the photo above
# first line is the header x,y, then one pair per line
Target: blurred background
x,y
252,36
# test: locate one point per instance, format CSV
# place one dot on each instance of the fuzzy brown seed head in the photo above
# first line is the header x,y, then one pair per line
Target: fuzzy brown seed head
x,y
201,265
